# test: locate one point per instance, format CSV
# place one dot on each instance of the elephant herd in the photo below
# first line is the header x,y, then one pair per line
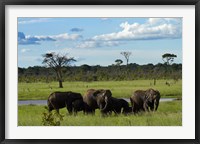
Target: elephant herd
x,y
141,100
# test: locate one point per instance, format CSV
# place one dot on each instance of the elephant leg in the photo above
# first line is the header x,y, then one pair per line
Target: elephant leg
x,y
119,110
152,108
75,112
50,109
125,111
145,107
93,111
157,104
135,108
90,111
69,108
132,107
110,113
84,111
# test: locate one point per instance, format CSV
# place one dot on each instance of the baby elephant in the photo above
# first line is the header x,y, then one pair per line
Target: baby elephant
x,y
117,106
80,105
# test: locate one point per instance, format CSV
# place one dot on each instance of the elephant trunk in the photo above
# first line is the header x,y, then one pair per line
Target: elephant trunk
x,y
106,101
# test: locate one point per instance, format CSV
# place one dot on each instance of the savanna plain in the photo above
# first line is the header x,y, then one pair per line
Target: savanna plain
x,y
168,113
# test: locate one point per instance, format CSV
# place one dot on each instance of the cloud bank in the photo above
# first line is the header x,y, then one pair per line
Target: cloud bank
x,y
154,28
151,29
96,44
26,40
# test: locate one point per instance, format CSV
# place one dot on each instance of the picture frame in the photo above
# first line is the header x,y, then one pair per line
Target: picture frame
x,y
3,73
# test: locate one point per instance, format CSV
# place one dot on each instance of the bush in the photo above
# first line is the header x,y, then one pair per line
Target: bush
x,y
52,118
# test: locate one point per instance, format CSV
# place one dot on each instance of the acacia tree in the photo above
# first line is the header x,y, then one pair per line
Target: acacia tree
x,y
56,62
126,55
118,62
168,58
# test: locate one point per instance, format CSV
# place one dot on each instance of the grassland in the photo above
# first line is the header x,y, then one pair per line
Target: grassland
x,y
40,91
168,114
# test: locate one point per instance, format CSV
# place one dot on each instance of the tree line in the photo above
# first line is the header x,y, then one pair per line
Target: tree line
x,y
113,72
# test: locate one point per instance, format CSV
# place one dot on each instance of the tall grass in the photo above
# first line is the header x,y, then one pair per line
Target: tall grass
x,y
168,114
40,91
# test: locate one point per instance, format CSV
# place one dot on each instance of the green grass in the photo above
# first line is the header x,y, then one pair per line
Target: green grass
x,y
168,114
41,91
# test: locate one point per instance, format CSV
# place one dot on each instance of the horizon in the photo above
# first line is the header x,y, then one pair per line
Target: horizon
x,y
99,41
100,65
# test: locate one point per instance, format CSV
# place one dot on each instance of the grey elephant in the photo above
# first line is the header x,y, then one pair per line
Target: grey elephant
x,y
116,105
57,100
96,99
142,100
80,105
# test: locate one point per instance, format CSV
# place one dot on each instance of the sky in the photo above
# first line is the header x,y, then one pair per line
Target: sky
x,y
99,41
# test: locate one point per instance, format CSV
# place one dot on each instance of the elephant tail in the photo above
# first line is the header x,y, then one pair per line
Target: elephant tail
x,y
49,102
49,105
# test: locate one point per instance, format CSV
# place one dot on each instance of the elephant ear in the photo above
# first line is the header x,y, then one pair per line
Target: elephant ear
x,y
108,93
147,94
96,92
157,94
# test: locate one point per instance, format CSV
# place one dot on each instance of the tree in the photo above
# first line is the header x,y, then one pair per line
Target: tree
x,y
56,62
118,62
126,55
168,58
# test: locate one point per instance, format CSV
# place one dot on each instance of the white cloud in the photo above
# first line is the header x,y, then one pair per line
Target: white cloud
x,y
25,40
64,36
35,20
154,28
155,21
24,50
95,44
103,19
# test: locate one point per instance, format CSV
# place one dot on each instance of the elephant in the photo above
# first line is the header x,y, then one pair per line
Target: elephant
x,y
116,105
152,99
141,100
80,105
96,99
57,100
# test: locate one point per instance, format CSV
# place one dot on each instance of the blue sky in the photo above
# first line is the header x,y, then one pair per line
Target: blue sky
x,y
99,41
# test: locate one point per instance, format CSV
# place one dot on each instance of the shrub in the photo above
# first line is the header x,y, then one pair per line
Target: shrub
x,y
52,118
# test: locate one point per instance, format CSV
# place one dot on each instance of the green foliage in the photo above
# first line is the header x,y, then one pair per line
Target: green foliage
x,y
118,62
100,73
56,62
52,118
41,91
168,58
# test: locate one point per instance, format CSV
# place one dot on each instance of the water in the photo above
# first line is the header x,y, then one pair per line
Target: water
x,y
44,102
